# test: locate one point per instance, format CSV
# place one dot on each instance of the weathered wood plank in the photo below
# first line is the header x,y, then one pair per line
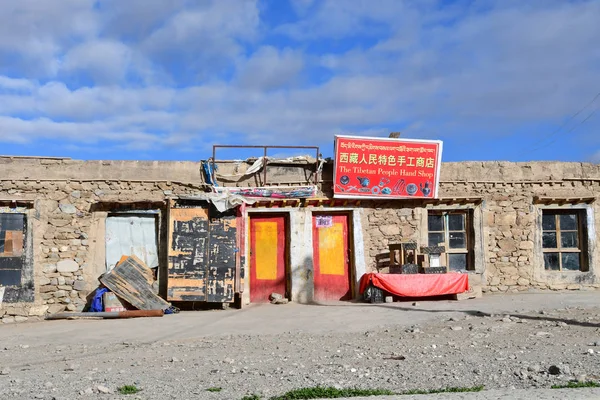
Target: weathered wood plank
x,y
222,257
188,246
131,280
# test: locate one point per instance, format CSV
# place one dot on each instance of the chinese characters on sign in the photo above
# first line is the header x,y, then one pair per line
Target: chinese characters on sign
x,y
386,168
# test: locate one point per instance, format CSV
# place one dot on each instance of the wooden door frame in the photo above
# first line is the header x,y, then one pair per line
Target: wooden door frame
x,y
287,256
350,245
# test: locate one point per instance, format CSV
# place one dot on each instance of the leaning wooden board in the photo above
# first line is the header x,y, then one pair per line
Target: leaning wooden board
x,y
131,280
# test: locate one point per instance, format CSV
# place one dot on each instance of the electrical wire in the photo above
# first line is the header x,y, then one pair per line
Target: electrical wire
x,y
569,131
561,127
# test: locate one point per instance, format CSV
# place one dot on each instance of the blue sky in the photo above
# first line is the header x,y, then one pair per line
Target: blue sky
x,y
155,79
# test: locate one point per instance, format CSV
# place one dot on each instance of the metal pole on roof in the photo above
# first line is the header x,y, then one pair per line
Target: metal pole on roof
x,y
265,167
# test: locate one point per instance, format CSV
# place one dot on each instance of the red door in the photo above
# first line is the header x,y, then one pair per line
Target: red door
x,y
267,257
331,261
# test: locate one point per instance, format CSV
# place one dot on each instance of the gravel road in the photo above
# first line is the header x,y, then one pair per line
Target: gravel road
x,y
505,343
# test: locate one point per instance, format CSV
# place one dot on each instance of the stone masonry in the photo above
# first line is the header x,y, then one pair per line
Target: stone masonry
x,y
62,214
505,203
65,204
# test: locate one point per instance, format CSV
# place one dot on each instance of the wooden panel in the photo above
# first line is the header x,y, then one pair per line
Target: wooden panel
x,y
330,248
18,243
267,257
240,271
12,227
188,259
222,257
331,258
265,251
132,282
202,254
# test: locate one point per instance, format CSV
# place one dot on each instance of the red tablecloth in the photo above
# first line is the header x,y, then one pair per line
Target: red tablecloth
x,y
417,285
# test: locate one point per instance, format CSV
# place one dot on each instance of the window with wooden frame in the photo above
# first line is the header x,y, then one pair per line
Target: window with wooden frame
x,y
453,230
563,240
12,248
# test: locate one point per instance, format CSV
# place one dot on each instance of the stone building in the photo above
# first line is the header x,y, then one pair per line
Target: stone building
x,y
510,226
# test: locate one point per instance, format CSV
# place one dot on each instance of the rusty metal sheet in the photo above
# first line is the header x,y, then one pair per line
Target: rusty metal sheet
x,y
131,235
132,281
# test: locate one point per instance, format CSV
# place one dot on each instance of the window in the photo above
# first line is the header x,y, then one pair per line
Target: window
x,y
12,238
452,230
562,244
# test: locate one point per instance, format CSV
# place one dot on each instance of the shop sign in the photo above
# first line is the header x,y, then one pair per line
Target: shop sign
x,y
324,221
379,168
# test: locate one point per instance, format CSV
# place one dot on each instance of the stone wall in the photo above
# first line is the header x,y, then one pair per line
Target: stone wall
x,y
507,199
37,168
68,200
64,215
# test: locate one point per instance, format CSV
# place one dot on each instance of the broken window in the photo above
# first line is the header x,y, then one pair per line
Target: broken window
x,y
562,240
452,229
12,248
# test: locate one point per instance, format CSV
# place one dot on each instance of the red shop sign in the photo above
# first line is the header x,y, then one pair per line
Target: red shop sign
x,y
386,168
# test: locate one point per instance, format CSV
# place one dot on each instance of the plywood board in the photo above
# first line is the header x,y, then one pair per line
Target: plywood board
x,y
188,248
132,281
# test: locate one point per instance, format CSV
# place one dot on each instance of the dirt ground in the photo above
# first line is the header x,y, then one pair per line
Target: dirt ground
x,y
504,342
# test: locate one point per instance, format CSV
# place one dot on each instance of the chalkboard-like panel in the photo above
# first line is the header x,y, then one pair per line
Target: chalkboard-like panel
x,y
222,257
188,247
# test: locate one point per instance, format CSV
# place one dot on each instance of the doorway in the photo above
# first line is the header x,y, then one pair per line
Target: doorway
x,y
131,235
331,257
268,256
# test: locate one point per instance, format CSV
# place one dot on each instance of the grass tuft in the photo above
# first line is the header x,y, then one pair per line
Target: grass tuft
x,y
446,390
319,392
128,389
577,385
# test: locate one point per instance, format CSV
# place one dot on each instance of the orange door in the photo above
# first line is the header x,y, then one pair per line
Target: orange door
x,y
331,260
267,257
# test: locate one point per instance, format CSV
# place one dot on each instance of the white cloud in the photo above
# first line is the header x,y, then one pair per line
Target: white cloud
x,y
351,18
268,68
191,73
203,39
135,20
513,63
34,33
26,131
16,84
105,61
